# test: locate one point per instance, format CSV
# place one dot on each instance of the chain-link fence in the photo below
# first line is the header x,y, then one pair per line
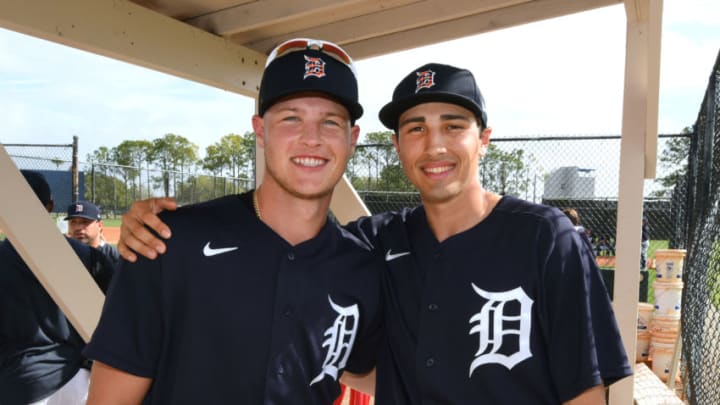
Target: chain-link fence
x,y
701,295
58,163
565,172
116,187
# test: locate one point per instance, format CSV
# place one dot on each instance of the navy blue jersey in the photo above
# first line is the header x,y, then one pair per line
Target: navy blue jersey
x,y
232,313
40,351
511,311
111,253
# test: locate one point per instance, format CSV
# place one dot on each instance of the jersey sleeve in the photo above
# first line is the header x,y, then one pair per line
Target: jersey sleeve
x,y
364,355
584,344
99,267
365,229
129,333
367,345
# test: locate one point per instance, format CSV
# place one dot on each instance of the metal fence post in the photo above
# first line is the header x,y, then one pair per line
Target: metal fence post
x,y
74,168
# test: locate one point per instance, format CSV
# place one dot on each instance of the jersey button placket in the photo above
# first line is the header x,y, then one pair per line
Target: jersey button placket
x,y
428,348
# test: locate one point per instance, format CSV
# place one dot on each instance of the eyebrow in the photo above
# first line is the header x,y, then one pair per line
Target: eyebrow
x,y
443,117
448,117
298,110
412,119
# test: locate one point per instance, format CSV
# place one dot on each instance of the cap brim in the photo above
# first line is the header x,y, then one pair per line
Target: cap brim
x,y
80,216
390,113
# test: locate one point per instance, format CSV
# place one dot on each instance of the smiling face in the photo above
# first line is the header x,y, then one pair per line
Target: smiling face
x,y
440,146
308,141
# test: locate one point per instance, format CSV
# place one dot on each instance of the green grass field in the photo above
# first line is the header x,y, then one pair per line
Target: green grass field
x,y
654,245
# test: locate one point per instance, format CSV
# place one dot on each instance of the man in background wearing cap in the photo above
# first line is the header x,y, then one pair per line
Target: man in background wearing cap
x,y
260,298
85,224
41,358
469,318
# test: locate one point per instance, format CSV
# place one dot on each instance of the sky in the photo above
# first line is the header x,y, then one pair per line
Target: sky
x,y
556,77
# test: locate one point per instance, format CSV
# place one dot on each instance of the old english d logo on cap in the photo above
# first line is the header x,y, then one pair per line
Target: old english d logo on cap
x,y
434,82
314,67
425,80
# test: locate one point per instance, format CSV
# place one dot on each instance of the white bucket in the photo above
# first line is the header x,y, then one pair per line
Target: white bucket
x,y
669,264
665,324
661,351
645,314
642,346
668,297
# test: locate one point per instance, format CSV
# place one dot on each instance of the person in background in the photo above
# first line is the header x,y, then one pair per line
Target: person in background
x,y
574,217
41,360
644,243
85,225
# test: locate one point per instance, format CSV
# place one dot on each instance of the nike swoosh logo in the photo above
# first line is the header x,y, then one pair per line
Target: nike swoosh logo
x,y
392,256
208,251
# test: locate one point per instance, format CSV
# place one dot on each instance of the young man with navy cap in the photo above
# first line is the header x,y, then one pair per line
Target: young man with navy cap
x,y
261,299
498,300
85,224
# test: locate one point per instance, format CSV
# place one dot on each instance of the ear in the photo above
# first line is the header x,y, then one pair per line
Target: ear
x,y
354,136
396,142
484,141
258,125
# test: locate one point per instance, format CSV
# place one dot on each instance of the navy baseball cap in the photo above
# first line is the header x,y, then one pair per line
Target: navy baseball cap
x,y
434,82
309,65
83,209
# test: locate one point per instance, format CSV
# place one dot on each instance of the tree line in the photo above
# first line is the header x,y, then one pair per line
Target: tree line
x,y
169,166
375,166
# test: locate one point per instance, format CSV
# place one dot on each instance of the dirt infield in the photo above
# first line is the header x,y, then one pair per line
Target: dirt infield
x,y
111,234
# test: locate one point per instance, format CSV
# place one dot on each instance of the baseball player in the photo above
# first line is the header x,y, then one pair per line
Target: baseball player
x,y
85,224
493,299
260,298
41,360
488,298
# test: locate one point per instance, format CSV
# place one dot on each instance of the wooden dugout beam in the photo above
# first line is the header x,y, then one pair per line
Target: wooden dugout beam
x,y
639,130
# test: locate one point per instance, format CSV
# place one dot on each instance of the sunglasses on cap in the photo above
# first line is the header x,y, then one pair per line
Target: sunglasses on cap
x,y
301,44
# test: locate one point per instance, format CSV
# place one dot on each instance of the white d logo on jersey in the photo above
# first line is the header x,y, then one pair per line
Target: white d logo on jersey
x,y
493,314
339,341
